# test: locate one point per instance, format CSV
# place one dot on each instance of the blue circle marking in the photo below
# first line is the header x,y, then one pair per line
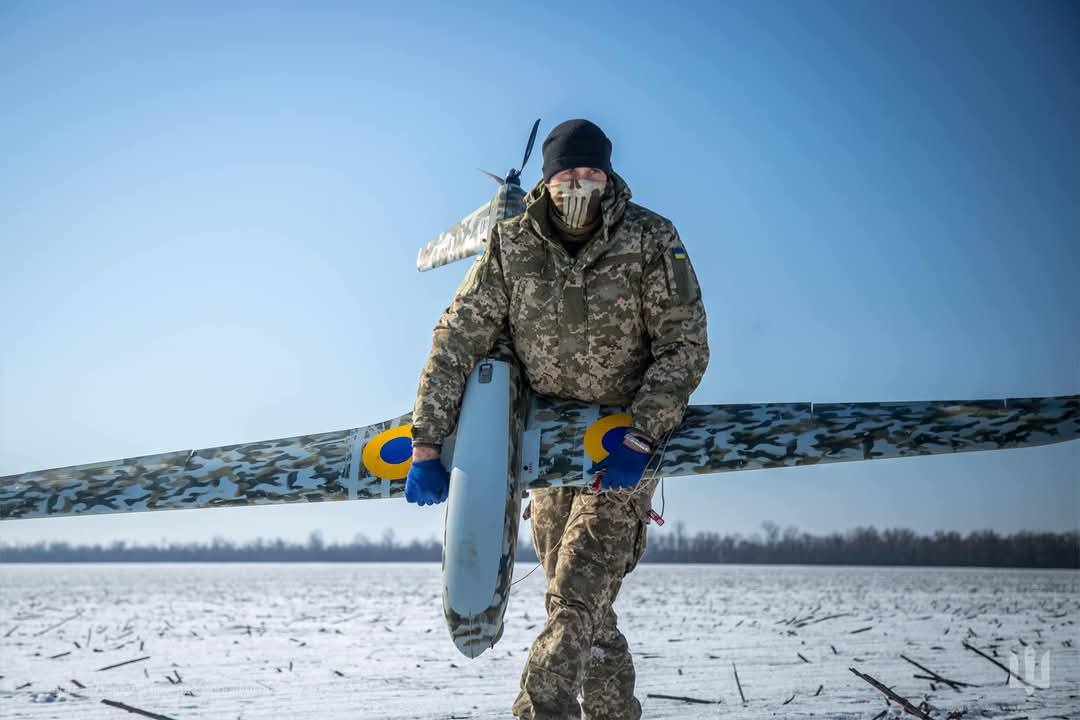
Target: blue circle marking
x,y
613,438
396,450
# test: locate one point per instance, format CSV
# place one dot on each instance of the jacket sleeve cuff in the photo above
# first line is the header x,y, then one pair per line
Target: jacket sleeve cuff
x,y
648,429
424,438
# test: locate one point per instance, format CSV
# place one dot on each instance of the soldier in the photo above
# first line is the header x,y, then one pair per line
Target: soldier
x,y
601,304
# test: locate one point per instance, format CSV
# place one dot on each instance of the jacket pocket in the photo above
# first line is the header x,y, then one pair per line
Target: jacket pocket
x,y
682,282
532,265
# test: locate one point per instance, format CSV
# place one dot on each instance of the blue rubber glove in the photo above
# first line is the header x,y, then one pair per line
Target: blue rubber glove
x,y
427,483
622,468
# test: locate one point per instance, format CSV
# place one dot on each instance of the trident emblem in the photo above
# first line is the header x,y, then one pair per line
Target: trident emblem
x,y
1029,681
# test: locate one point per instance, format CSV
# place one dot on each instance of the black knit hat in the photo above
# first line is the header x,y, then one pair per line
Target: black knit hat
x,y
576,143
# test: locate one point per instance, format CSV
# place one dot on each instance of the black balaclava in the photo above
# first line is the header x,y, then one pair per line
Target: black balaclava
x,y
576,143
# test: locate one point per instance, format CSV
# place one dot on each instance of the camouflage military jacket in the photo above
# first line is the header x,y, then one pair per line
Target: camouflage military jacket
x,y
622,323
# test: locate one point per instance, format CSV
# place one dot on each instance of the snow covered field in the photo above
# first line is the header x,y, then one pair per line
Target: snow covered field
x,y
367,641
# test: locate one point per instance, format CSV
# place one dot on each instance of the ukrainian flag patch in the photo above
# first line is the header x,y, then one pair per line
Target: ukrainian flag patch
x,y
678,253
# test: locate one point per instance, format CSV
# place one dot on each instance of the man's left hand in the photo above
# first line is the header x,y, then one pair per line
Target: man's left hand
x,y
623,467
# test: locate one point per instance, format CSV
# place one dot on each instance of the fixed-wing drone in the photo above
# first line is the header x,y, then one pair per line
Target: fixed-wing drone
x,y
509,440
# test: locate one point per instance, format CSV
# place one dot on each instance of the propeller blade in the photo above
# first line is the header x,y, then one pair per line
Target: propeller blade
x,y
493,176
529,145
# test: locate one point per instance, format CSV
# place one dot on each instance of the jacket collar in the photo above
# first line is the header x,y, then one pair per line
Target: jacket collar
x,y
612,207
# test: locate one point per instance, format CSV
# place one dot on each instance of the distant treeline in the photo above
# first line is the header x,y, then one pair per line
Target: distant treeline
x,y
860,546
868,546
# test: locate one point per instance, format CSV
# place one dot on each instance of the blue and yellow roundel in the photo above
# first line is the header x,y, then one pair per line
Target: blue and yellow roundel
x,y
605,434
388,455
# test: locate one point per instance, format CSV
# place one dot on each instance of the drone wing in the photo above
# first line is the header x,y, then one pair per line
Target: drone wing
x,y
357,464
562,438
470,235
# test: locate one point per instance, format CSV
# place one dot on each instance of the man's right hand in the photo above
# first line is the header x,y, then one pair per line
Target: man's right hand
x,y
427,483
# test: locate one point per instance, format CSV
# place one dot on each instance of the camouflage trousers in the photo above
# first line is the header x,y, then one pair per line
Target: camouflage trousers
x,y
587,542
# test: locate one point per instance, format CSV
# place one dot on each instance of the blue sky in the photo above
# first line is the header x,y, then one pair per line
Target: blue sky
x,y
209,215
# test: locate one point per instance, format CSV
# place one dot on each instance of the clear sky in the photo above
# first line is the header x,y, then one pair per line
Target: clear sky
x,y
209,217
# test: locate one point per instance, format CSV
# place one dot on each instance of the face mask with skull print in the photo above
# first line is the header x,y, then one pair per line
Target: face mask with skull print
x,y
577,200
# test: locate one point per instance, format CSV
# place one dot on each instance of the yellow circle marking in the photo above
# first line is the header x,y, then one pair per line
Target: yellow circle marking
x,y
373,460
594,436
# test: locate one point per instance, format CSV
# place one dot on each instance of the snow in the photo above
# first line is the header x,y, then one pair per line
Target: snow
x,y
367,641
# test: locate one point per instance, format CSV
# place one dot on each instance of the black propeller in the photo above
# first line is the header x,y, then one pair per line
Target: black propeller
x,y
514,176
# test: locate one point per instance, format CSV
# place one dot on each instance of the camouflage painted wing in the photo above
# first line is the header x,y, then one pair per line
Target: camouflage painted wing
x,y
720,438
469,236
309,468
561,439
